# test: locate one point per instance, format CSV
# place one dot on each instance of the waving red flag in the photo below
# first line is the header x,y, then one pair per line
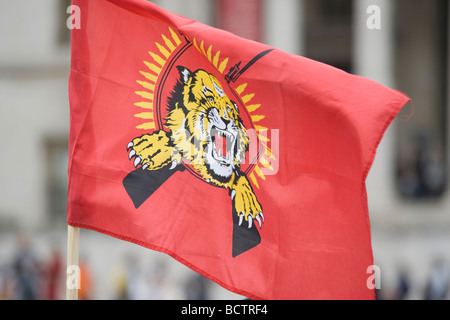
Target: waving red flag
x,y
243,162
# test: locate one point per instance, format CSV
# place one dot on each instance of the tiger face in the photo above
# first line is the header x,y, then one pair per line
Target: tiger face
x,y
206,127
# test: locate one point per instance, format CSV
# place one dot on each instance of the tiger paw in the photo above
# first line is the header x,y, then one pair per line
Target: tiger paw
x,y
246,203
151,151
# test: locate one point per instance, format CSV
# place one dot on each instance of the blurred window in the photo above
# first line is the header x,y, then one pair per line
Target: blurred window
x,y
328,32
421,73
56,151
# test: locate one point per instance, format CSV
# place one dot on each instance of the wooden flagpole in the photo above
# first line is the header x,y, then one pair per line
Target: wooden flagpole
x,y
73,270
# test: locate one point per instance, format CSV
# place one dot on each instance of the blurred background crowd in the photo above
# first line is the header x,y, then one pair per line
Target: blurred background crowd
x,y
409,199
34,268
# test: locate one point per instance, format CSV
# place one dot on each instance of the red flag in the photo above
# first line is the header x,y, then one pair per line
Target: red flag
x,y
245,163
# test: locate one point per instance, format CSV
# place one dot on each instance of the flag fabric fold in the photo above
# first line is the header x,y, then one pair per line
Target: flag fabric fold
x,y
243,162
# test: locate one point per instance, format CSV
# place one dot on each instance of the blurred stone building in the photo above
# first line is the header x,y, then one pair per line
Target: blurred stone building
x,y
402,44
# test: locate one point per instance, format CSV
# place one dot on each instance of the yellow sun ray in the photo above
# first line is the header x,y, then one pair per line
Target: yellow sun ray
x,y
153,67
252,107
260,128
208,53
257,118
144,115
268,152
149,76
194,42
255,182
263,137
175,37
223,65
259,172
202,48
158,59
145,94
241,88
147,126
265,163
247,97
168,43
216,59
147,85
144,105
163,50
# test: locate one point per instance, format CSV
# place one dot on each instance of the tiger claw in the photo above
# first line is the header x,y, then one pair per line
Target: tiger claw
x,y
259,220
173,165
137,161
131,154
130,145
250,221
145,166
241,218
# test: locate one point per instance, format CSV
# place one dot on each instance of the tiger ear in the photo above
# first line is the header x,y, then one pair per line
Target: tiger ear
x,y
185,74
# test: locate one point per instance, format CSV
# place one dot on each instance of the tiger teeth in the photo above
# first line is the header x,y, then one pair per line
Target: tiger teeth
x,y
223,143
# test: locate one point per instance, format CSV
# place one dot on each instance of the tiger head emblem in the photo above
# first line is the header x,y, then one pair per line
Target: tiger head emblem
x,y
204,130
206,127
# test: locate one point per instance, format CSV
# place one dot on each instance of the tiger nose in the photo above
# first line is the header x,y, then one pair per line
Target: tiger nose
x,y
225,114
216,119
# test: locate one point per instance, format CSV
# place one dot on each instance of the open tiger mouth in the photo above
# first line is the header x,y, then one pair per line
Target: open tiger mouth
x,y
222,146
